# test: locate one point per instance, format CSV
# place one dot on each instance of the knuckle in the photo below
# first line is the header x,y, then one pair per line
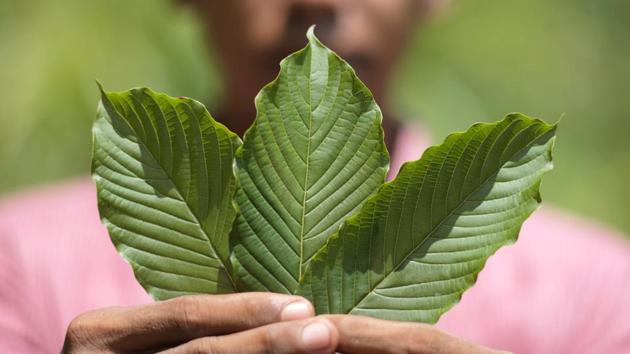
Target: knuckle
x,y
207,345
76,326
80,326
256,310
251,304
421,340
83,332
186,314
267,340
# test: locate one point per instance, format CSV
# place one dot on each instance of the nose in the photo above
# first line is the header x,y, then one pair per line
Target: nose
x,y
303,13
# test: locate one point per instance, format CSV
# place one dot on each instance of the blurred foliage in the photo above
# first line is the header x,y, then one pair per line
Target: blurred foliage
x,y
51,53
548,59
477,61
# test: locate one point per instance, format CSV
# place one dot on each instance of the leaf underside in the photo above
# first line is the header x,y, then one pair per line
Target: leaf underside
x,y
419,243
163,171
313,155
300,206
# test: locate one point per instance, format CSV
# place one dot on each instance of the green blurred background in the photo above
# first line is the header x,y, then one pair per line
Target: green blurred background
x,y
476,62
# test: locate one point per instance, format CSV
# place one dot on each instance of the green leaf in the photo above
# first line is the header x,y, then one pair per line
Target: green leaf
x,y
420,242
311,158
163,171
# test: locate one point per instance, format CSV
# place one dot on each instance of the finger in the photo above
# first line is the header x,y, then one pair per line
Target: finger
x,y
358,334
188,317
312,336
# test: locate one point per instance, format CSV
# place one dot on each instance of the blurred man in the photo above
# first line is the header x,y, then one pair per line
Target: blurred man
x,y
560,289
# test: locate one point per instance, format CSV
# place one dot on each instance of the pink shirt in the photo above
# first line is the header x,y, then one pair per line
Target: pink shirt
x,y
563,287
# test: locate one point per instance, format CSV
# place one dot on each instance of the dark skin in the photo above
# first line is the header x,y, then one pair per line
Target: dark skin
x,y
250,37
250,323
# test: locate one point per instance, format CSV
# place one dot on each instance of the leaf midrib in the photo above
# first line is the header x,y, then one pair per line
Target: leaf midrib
x,y
448,215
305,193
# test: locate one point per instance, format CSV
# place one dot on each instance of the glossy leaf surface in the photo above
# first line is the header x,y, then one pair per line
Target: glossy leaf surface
x,y
420,242
311,158
163,171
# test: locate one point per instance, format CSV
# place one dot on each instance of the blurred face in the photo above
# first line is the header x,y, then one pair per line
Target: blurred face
x,y
250,37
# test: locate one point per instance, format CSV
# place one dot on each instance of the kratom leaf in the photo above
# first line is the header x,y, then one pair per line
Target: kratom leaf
x,y
420,242
163,171
311,158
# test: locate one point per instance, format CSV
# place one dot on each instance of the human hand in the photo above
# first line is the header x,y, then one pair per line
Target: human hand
x,y
365,335
250,323
236,323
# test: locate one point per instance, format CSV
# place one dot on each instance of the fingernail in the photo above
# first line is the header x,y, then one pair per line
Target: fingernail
x,y
296,311
316,336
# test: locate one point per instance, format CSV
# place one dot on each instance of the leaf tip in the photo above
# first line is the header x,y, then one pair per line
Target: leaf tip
x,y
100,88
560,118
310,34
